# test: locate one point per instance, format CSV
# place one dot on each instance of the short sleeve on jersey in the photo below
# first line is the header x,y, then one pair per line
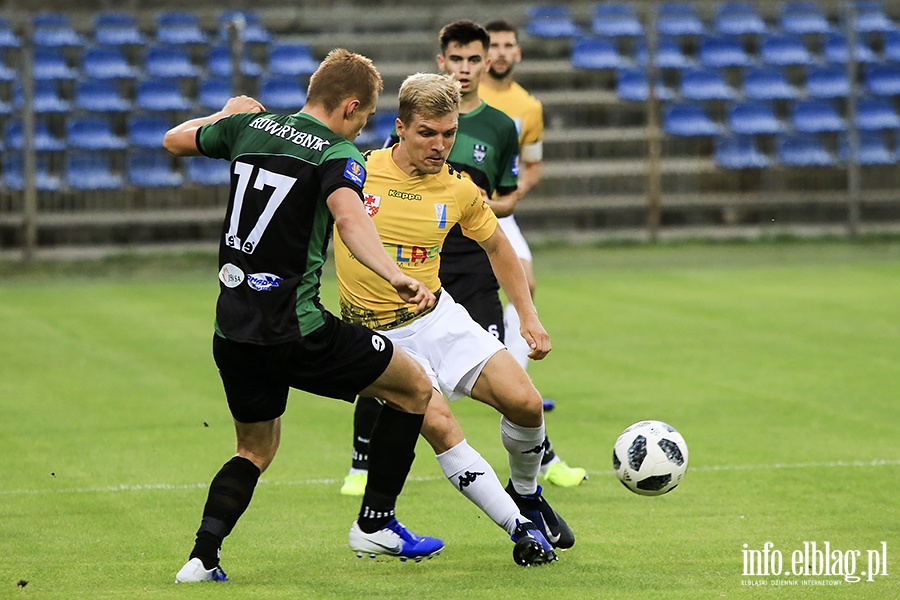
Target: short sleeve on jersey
x,y
215,140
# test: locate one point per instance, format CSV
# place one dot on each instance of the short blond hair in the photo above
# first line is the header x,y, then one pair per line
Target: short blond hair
x,y
428,95
343,75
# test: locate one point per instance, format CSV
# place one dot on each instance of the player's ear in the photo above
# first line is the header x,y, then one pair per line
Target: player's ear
x,y
350,107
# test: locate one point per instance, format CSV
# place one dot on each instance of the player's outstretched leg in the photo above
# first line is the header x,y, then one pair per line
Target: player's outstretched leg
x,y
394,540
535,508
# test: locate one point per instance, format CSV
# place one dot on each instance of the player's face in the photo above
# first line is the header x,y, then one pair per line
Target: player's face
x,y
466,63
504,53
425,143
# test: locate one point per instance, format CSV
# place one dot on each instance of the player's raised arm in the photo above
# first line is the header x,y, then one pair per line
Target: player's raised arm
x,y
360,235
511,276
181,140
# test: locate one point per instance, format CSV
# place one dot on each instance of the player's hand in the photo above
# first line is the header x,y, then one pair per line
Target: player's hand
x,y
537,337
241,104
414,292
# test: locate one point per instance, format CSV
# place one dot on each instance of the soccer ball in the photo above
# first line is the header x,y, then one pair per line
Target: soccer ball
x,y
650,458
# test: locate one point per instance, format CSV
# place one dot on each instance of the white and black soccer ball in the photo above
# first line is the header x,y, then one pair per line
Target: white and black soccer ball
x,y
650,458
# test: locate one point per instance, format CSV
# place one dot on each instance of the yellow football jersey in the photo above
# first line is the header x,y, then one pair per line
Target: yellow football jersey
x,y
413,216
526,111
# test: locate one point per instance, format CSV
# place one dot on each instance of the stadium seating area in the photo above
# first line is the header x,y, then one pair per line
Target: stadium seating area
x,y
755,110
784,86
104,98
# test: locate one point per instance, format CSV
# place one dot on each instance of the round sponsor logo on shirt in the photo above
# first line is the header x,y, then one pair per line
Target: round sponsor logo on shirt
x,y
231,275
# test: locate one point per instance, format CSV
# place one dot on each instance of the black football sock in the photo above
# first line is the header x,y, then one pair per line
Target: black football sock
x,y
229,495
549,454
391,454
364,416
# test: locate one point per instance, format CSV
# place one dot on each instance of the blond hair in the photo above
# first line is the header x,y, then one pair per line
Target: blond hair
x,y
343,75
428,95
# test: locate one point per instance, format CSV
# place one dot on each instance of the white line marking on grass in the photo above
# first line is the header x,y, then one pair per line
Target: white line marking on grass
x,y
837,464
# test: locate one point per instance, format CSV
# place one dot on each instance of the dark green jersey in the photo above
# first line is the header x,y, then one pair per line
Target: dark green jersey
x,y
487,150
277,226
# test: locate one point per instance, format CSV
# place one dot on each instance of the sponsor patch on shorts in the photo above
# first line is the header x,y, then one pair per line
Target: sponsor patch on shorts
x,y
355,172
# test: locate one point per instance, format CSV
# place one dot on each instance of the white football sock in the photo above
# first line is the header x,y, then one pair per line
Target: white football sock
x,y
525,447
514,341
469,473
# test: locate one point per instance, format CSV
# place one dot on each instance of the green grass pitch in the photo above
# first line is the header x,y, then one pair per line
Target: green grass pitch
x,y
778,362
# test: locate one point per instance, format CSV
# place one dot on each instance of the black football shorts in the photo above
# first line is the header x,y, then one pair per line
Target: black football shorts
x,y
338,360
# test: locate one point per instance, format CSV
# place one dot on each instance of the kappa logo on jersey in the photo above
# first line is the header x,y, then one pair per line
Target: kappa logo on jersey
x,y
514,170
479,153
440,211
355,172
372,204
231,275
263,282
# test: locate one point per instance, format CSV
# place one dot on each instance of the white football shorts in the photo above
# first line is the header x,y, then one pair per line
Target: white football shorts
x,y
450,346
512,231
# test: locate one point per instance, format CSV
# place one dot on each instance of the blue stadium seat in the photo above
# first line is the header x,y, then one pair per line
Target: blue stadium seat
x,y
282,93
146,131
738,152
753,118
876,114
383,124
54,30
179,28
50,64
218,62
615,19
551,21
678,19
802,18
836,51
668,55
871,18
92,133
252,30
784,50
152,168
597,54
169,62
90,171
100,95
768,83
827,82
816,116
117,29
160,95
294,60
872,149
688,120
207,171
633,85
738,18
704,84
892,47
7,73
212,94
802,150
719,52
8,38
46,98
14,173
43,140
883,80
107,62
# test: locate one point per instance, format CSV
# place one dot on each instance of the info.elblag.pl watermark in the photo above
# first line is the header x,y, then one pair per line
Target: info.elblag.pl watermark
x,y
812,563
